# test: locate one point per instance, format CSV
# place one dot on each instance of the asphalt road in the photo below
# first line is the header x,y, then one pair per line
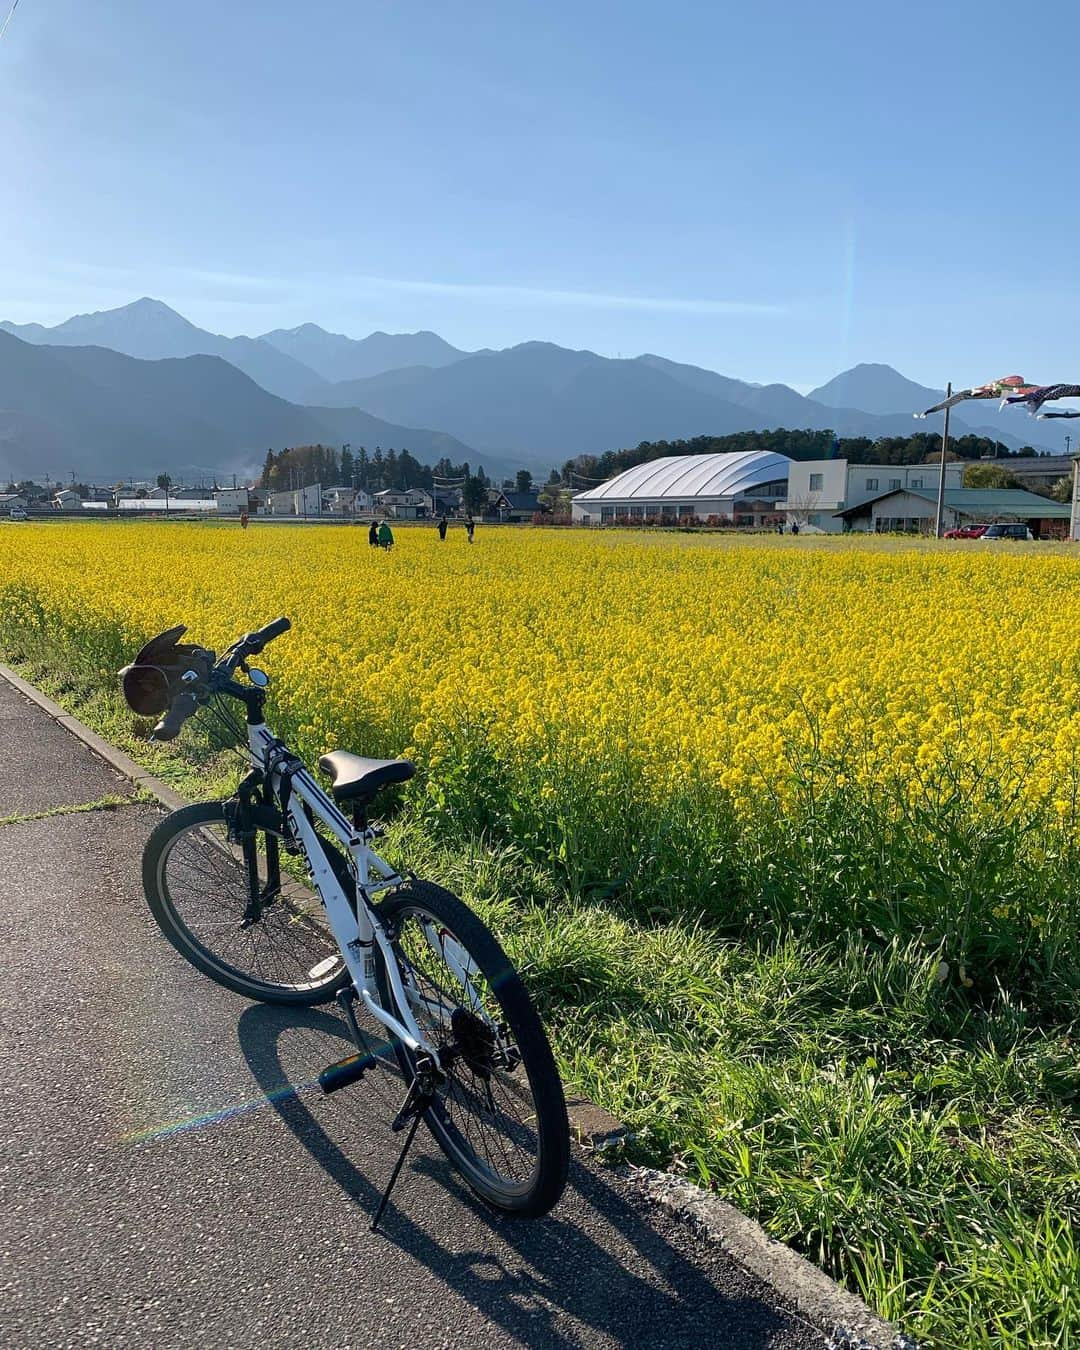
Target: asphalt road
x,y
168,1175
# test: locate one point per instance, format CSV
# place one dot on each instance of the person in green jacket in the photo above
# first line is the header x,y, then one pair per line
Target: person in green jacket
x,y
386,538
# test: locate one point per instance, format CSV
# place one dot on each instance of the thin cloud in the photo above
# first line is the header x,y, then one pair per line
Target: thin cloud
x,y
366,286
537,295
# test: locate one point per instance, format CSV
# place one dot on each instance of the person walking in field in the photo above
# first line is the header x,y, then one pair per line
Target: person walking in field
x,y
442,527
470,528
373,535
243,520
386,537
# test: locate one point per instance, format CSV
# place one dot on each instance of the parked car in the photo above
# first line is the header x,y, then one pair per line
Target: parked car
x,y
17,513
967,532
1009,530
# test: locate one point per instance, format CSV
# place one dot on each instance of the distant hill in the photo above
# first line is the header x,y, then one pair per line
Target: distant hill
x,y
336,357
150,330
104,415
876,389
538,398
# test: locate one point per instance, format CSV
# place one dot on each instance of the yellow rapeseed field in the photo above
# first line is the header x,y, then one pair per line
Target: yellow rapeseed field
x,y
728,661
783,833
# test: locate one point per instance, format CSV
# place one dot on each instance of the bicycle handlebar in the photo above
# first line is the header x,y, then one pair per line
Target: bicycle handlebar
x,y
253,643
186,704
183,706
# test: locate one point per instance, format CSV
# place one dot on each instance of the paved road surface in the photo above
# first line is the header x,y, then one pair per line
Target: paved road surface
x,y
167,1174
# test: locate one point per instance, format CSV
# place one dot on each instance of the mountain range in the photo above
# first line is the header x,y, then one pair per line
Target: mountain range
x,y
103,415
185,396
546,402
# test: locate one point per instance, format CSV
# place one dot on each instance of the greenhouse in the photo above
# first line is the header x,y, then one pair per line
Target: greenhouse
x,y
740,488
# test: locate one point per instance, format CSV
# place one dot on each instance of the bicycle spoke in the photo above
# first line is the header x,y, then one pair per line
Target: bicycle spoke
x,y
206,880
493,1113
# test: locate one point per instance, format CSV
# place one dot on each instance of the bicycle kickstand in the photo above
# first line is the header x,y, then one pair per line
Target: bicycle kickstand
x,y
419,1097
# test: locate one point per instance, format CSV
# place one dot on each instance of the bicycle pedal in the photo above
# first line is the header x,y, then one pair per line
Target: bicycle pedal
x,y
348,1070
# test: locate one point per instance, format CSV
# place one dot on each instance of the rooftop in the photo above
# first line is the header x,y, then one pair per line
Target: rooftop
x,y
984,503
674,476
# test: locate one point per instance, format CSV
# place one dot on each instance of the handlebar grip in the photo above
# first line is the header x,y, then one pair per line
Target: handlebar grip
x,y
169,727
256,641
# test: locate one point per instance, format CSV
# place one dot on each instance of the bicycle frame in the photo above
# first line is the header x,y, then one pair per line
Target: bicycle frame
x,y
355,932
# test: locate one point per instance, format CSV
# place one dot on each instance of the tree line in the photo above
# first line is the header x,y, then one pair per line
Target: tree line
x,y
919,448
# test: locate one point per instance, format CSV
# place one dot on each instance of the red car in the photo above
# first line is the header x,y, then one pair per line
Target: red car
x,y
967,532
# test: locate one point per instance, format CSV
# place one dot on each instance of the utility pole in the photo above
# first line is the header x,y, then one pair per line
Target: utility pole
x,y
939,518
1068,442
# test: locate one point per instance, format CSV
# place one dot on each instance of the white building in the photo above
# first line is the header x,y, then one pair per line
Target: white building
x,y
819,488
741,487
173,506
403,504
231,501
302,502
345,501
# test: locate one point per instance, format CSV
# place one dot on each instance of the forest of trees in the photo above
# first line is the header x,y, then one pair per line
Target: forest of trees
x,y
915,449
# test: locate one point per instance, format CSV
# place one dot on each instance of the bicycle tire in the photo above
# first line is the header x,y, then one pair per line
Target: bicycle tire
x,y
497,984
288,937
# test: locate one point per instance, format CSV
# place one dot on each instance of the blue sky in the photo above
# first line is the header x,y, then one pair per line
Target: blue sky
x,y
775,191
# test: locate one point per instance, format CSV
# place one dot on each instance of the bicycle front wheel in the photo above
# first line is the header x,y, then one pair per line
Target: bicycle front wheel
x,y
276,948
500,1113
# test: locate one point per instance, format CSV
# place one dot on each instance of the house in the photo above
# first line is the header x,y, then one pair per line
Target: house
x,y
67,499
819,491
345,501
916,511
397,503
513,506
12,501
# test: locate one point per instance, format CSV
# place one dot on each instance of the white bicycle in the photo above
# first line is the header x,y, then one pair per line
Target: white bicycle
x,y
466,1036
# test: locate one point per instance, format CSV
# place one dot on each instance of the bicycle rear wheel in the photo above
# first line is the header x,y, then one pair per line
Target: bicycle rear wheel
x,y
500,1114
198,887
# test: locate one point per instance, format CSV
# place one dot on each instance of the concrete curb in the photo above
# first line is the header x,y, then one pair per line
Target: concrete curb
x,y
845,1319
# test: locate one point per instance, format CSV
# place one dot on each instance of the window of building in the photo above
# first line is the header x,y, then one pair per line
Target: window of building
x,y
894,483
685,509
871,485
816,482
607,514
916,482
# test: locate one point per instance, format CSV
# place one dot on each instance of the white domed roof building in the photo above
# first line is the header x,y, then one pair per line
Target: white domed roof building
x,y
742,487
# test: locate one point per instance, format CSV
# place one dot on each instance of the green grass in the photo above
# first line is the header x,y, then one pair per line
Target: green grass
x,y
110,802
856,1022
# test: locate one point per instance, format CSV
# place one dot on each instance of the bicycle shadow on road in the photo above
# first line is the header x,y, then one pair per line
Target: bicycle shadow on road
x,y
596,1262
